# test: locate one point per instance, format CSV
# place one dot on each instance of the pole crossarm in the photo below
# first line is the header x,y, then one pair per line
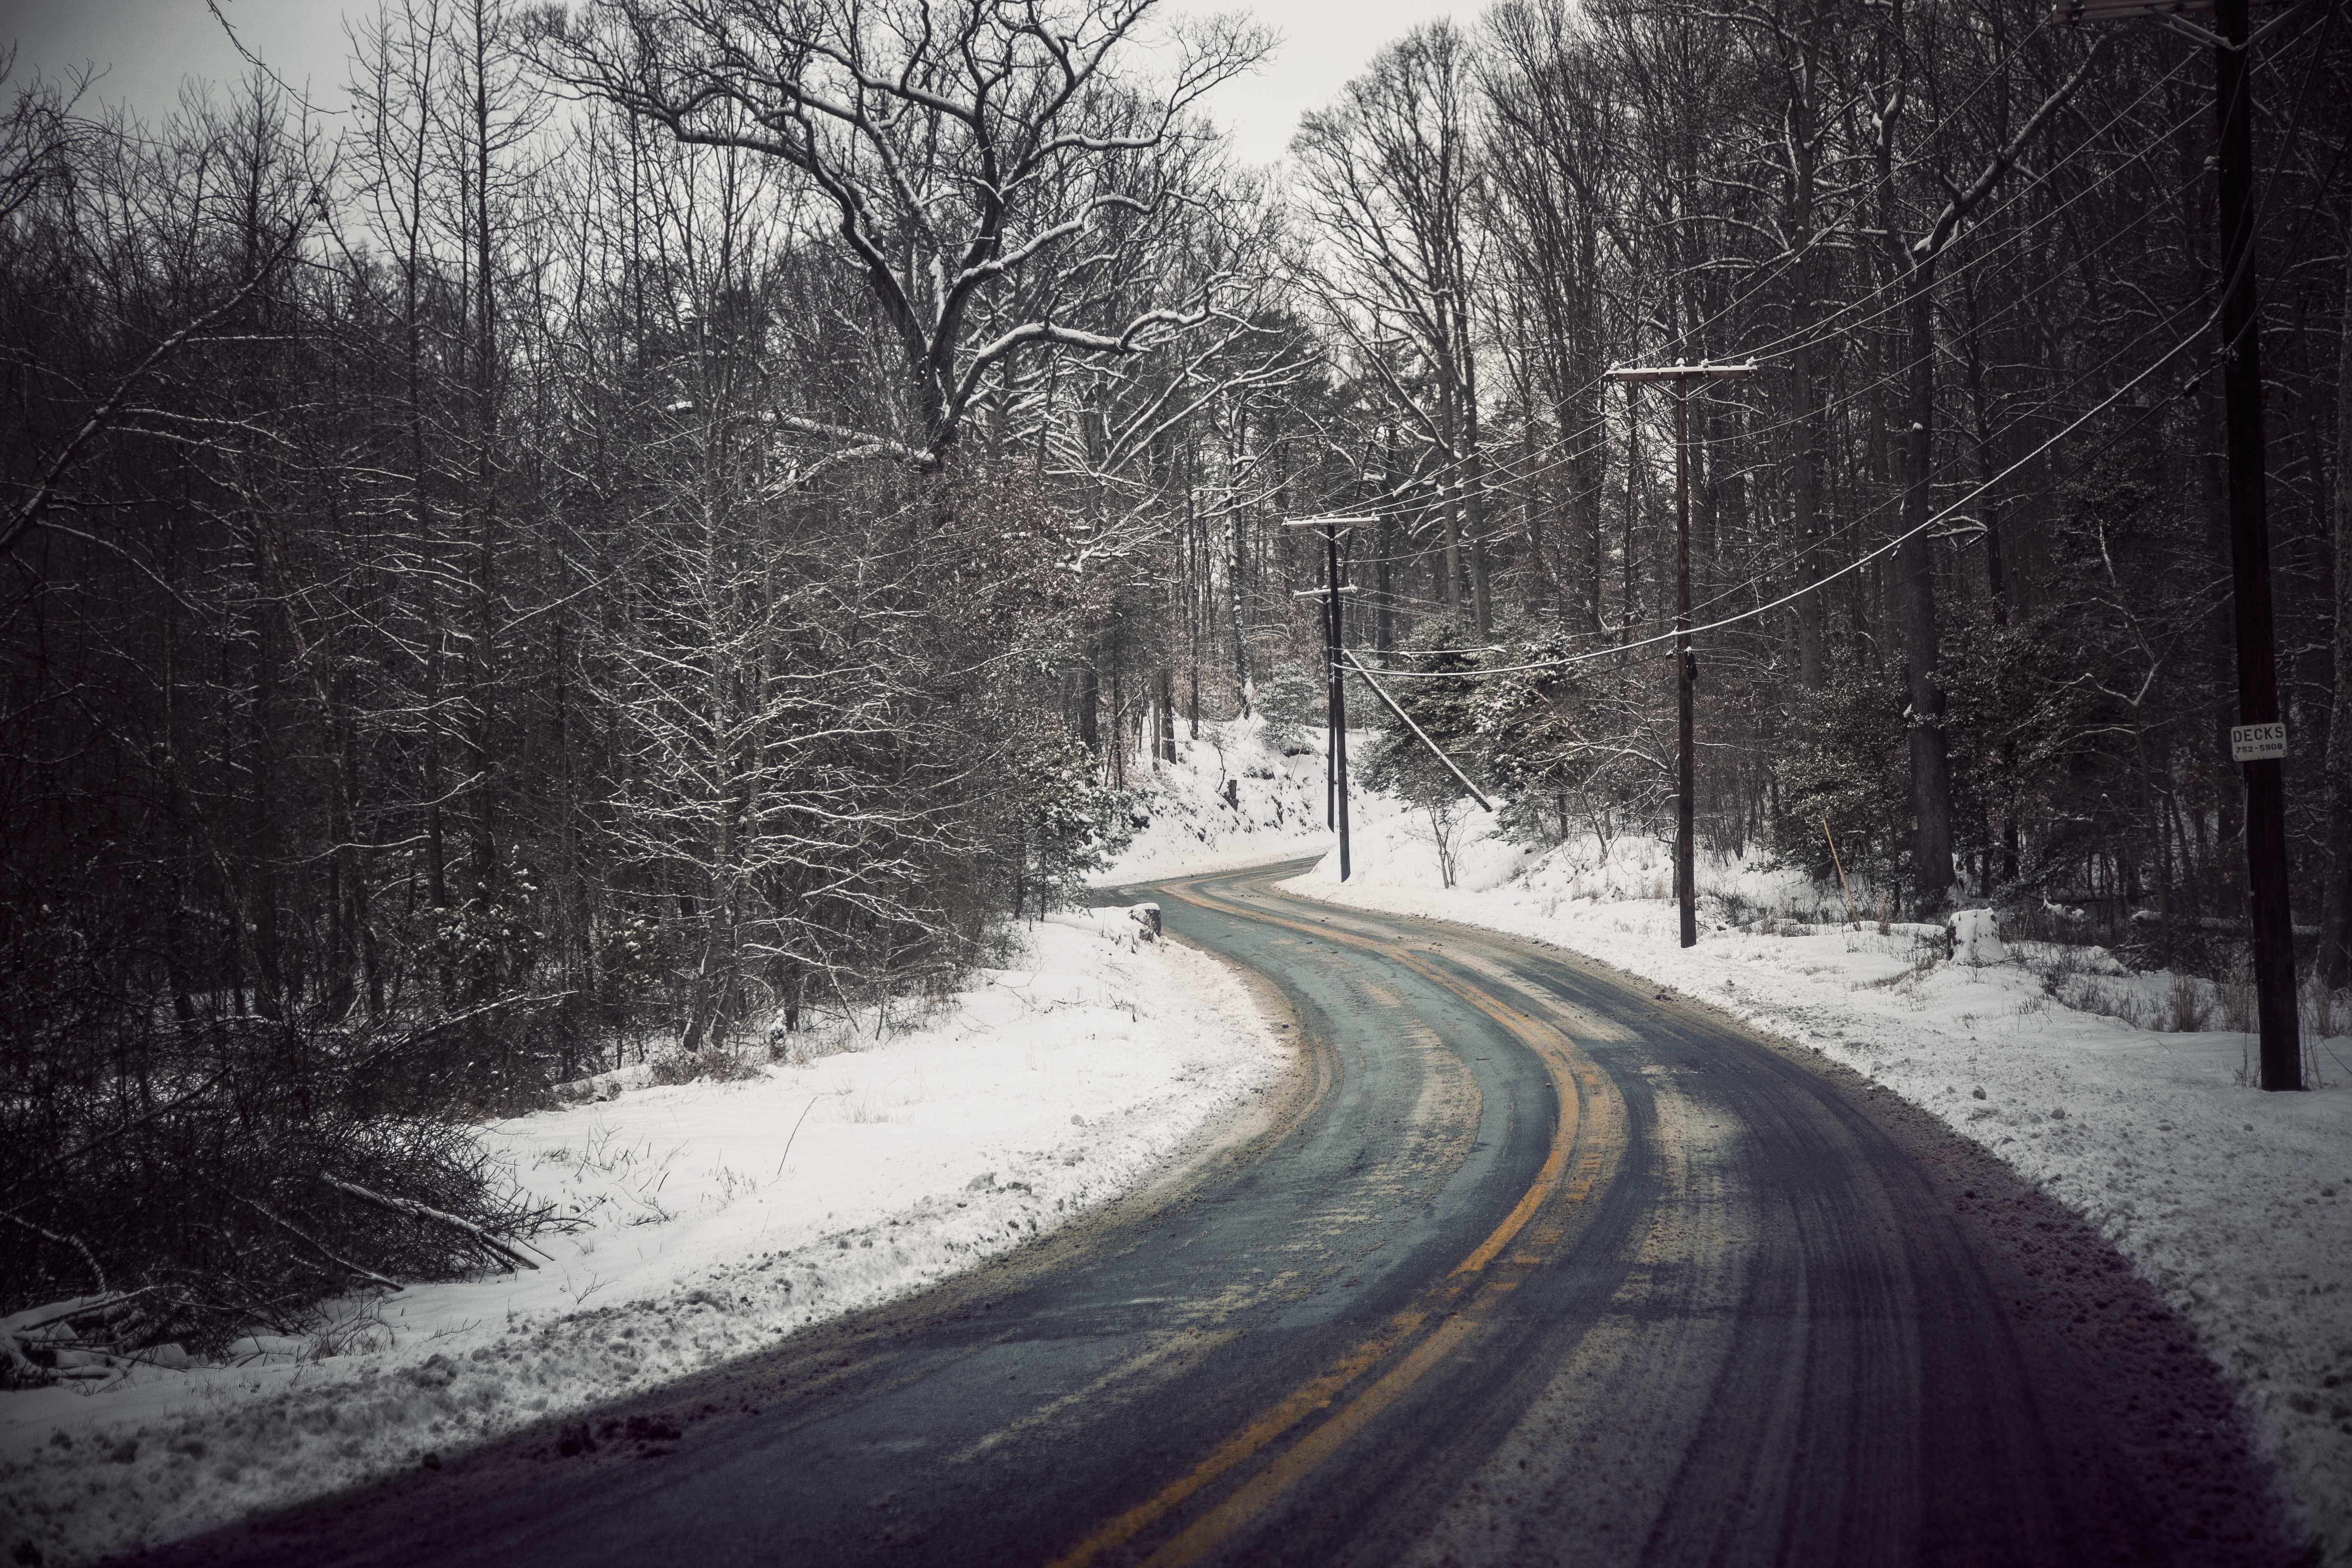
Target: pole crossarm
x,y
1700,371
2120,10
2173,15
1353,663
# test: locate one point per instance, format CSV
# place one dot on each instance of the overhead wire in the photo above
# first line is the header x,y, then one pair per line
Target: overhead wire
x,y
1836,325
2261,201
1857,562
1788,561
1756,580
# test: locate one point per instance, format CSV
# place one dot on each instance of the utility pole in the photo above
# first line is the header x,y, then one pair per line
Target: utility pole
x,y
1679,378
2258,741
1335,749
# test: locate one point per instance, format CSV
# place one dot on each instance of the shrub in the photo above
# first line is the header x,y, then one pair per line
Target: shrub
x,y
2187,1009
713,1064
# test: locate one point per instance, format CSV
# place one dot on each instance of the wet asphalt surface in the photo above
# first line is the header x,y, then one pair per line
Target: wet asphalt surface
x,y
1530,1263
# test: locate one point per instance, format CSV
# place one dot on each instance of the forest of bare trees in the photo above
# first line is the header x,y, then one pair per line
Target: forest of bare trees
x,y
672,517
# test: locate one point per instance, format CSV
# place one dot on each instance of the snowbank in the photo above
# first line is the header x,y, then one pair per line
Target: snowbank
x,y
719,1218
1188,823
2235,1204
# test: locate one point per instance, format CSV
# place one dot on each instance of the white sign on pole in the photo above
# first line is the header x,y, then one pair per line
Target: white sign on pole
x,y
2257,742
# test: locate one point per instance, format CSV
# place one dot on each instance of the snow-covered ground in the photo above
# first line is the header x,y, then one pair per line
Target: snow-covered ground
x,y
1188,825
2237,1205
720,1217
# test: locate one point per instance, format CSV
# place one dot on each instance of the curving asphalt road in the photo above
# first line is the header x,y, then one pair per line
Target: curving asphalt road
x,y
1532,1265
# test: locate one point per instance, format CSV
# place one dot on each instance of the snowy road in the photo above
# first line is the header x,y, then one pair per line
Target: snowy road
x,y
1532,1265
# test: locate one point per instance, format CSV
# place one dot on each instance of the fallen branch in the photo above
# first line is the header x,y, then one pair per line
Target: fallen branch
x,y
1852,914
75,1242
20,1369
315,1245
420,1211
94,1306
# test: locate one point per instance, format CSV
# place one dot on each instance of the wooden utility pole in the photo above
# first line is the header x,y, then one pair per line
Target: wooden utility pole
x,y
1680,377
1335,749
2258,741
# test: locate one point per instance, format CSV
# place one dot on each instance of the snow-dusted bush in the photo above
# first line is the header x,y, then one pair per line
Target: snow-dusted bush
x,y
183,1185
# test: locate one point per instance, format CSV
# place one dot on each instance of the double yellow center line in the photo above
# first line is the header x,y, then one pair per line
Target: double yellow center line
x,y
1383,1368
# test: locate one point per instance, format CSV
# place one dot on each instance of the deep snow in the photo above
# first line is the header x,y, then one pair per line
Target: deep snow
x,y
713,1229
2235,1204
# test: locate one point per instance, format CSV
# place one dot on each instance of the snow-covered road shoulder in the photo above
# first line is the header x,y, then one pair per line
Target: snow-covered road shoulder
x,y
719,1218
2235,1204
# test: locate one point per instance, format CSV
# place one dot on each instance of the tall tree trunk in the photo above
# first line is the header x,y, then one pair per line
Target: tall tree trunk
x,y
1236,572
2336,943
1988,465
347,887
180,838
1384,624
1812,612
482,693
1812,444
1474,488
1915,566
1590,431
421,519
1118,713
1454,520
260,914
1632,510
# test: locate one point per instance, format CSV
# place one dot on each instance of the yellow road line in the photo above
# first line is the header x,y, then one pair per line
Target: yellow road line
x,y
1576,1092
1316,1396
1204,1535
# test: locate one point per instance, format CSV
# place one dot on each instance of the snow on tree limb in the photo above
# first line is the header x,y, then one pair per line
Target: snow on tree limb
x,y
964,153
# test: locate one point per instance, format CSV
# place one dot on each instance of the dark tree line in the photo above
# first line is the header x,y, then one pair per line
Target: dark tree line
x,y
684,515
539,575
1973,251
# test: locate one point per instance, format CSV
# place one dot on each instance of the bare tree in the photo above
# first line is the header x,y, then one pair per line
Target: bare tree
x,y
1392,176
1912,254
965,153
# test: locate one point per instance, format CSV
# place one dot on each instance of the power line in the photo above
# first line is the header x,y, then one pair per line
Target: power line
x,y
1854,394
1789,562
1840,323
1836,325
1757,578
1849,567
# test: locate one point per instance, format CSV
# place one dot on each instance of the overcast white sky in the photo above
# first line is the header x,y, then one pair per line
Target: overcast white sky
x,y
148,47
